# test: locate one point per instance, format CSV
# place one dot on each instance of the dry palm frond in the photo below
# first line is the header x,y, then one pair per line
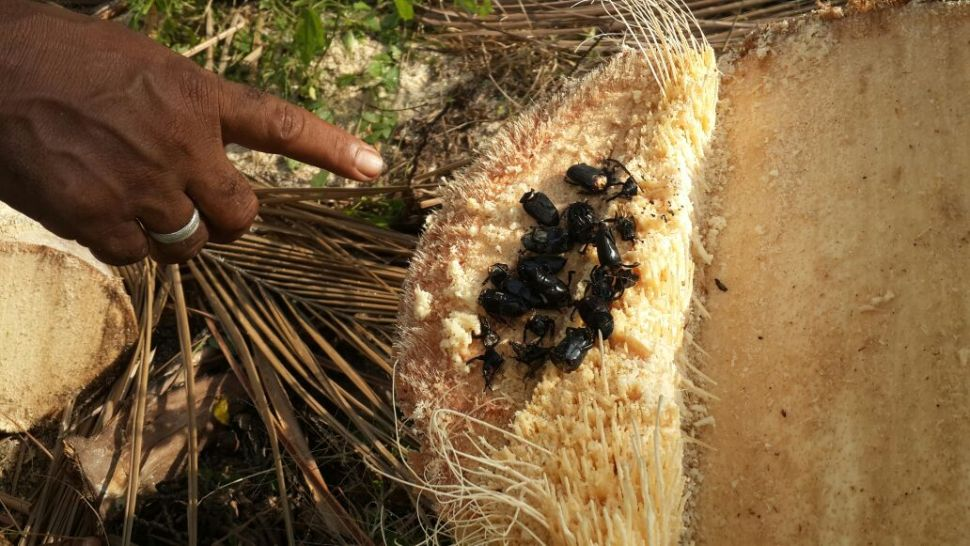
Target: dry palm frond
x,y
303,310
573,28
185,344
138,422
303,301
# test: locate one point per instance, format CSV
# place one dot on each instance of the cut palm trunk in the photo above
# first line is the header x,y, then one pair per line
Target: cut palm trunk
x,y
841,195
592,456
64,319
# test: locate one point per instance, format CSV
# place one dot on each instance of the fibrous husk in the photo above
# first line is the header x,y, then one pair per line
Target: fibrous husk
x,y
593,456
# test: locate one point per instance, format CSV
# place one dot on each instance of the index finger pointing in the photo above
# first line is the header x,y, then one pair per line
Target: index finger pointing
x,y
260,121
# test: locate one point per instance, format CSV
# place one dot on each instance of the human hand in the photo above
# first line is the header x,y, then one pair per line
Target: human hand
x,y
105,134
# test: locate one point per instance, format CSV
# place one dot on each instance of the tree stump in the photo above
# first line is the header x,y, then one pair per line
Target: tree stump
x,y
64,319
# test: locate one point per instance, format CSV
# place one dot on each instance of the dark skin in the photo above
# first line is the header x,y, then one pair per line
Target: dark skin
x,y
105,134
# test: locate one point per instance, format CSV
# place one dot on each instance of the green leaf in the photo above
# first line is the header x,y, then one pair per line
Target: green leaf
x,y
350,41
392,78
293,164
320,179
372,23
389,24
324,113
381,212
375,69
310,37
475,7
346,80
405,9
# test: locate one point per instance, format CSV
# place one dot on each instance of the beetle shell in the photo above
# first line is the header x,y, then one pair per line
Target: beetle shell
x,y
595,312
609,283
491,364
569,353
546,240
502,304
540,207
486,334
539,325
521,290
606,249
549,262
548,287
591,179
497,274
601,284
627,228
532,355
628,190
581,222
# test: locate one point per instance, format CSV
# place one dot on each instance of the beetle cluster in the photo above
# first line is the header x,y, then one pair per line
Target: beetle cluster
x,y
534,285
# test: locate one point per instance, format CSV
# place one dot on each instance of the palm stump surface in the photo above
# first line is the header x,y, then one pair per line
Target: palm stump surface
x,y
841,347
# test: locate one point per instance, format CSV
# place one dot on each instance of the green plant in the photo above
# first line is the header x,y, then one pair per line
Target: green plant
x,y
381,212
291,37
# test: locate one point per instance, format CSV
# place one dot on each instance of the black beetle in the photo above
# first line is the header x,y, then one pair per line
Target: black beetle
x,y
626,226
628,185
606,249
616,172
549,262
553,292
569,353
521,290
588,177
581,222
601,286
609,283
540,326
540,207
596,314
532,355
602,283
491,364
546,240
624,277
628,190
502,304
486,334
497,274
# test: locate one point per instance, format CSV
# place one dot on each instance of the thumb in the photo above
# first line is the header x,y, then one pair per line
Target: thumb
x,y
260,121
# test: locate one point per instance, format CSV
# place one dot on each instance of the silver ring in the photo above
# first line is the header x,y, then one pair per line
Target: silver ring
x,y
182,234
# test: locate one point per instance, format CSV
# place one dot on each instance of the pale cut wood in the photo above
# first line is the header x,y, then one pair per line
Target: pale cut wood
x,y
64,319
840,348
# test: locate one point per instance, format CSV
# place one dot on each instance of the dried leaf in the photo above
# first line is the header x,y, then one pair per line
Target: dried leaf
x,y
102,458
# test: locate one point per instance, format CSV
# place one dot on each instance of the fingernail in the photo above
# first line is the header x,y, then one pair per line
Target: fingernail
x,y
368,161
